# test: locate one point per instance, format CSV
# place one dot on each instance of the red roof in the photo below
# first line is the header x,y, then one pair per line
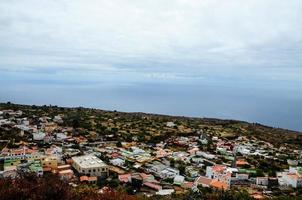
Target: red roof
x,y
115,155
187,185
204,181
153,186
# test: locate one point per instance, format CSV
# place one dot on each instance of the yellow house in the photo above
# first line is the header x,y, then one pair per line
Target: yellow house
x,y
49,162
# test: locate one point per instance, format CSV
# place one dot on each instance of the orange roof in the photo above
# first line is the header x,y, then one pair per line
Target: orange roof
x,y
294,176
218,168
241,162
68,171
92,178
219,185
83,178
257,196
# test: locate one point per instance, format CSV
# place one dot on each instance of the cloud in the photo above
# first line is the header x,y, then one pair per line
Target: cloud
x,y
153,38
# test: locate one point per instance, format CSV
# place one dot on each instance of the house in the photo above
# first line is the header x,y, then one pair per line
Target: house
x,y
292,179
38,136
89,180
203,181
207,182
164,192
21,153
242,176
262,181
49,162
90,165
117,162
292,162
33,166
124,178
63,167
11,163
153,186
169,173
66,174
205,155
192,172
241,163
61,136
220,173
58,119
178,180
170,124
162,171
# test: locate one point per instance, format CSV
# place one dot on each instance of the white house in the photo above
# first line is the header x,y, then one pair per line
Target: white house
x,y
292,179
90,165
178,180
169,173
39,136
61,136
117,162
170,124
205,155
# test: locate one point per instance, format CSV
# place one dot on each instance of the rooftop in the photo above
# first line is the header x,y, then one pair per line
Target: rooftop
x,y
88,161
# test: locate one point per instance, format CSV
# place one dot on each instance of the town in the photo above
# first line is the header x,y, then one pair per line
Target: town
x,y
145,154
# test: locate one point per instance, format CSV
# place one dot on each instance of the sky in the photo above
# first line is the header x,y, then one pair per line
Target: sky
x,y
241,45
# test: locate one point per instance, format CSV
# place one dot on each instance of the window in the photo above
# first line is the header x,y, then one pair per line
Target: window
x,y
89,170
93,170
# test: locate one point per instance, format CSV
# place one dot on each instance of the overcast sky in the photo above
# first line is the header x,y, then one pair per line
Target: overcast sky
x,y
151,40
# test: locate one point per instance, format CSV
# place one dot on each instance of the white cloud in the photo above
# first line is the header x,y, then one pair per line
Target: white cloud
x,y
152,36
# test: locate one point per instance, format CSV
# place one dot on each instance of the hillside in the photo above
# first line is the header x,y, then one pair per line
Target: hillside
x,y
152,127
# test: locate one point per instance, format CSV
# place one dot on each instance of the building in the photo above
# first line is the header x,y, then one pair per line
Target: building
x,y
33,166
117,162
179,180
11,164
220,173
266,181
49,162
292,179
38,136
61,136
90,165
66,174
162,171
170,124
